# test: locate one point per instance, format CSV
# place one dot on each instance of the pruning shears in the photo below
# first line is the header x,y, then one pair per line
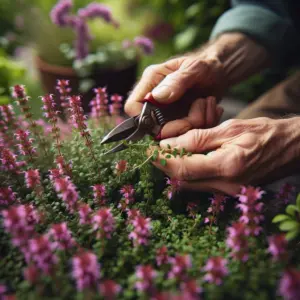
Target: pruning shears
x,y
149,121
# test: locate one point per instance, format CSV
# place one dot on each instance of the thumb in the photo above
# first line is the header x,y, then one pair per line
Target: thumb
x,y
173,86
196,140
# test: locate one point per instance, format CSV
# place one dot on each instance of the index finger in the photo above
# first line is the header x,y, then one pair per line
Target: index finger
x,y
151,77
197,166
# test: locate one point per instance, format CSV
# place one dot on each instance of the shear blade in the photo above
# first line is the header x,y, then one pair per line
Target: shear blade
x,y
121,132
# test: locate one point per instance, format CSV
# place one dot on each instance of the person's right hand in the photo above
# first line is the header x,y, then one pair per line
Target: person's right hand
x,y
184,84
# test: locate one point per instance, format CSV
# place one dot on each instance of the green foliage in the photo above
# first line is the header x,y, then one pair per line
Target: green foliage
x,y
290,221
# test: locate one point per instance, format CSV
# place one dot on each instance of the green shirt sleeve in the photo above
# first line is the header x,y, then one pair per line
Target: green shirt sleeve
x,y
268,24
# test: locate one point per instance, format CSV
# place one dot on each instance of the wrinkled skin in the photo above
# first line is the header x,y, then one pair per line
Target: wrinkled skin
x,y
252,151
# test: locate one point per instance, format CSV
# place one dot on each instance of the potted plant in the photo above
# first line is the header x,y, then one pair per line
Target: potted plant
x,y
111,227
86,44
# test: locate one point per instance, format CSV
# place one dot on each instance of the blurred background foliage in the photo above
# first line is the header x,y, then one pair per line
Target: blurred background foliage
x,y
176,26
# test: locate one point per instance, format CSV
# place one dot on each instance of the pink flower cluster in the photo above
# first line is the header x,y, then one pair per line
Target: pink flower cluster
x,y
116,105
8,115
251,209
99,105
145,276
26,143
174,186
109,289
40,252
85,212
179,266
141,231
121,166
190,290
19,221
64,89
216,269
217,206
7,196
286,193
278,247
67,192
85,270
64,168
289,286
127,191
61,16
104,222
9,161
162,256
142,42
99,193
237,241
61,236
32,178
192,209
49,108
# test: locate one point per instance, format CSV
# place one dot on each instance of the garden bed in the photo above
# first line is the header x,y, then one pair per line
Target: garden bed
x,y
81,223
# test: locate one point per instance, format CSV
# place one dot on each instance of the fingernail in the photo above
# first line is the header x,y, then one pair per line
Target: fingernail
x,y
166,142
161,93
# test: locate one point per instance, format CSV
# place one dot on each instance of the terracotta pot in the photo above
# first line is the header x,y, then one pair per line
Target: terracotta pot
x,y
118,81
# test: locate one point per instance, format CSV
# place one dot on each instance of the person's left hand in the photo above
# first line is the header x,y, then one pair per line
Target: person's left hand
x,y
243,152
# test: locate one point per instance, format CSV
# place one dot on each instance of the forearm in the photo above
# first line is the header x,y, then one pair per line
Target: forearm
x,y
239,55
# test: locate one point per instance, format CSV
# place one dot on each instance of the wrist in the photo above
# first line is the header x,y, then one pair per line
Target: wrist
x,y
239,56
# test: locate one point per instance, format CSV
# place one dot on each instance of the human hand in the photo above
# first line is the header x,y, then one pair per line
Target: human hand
x,y
242,152
186,80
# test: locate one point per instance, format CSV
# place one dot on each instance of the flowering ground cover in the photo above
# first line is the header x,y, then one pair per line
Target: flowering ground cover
x,y
78,224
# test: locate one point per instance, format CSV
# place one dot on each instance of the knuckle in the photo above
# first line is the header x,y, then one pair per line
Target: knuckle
x,y
231,167
182,172
150,71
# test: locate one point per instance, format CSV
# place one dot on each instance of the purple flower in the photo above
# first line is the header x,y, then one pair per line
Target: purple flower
x,y
216,269
190,290
237,241
25,146
86,270
180,264
32,178
109,289
84,211
251,209
8,114
162,257
145,275
127,191
145,44
61,236
94,10
9,161
83,38
289,286
104,221
141,231
99,105
67,192
99,193
7,196
41,253
60,12
174,186
278,246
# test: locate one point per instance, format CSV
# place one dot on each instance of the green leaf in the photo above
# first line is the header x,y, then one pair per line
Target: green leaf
x,y
168,156
4,100
185,38
163,162
289,225
155,155
280,218
291,209
193,10
292,234
298,201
